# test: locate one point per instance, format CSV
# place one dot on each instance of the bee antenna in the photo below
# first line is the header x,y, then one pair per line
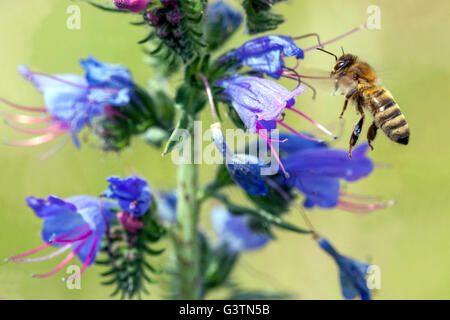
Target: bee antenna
x,y
328,53
342,48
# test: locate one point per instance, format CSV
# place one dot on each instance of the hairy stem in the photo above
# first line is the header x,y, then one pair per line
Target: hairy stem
x,y
186,238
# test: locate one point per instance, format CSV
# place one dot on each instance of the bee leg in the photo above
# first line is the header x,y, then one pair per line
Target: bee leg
x,y
371,134
347,97
355,134
343,108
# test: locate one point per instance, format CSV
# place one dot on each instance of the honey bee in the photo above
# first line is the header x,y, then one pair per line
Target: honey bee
x,y
357,81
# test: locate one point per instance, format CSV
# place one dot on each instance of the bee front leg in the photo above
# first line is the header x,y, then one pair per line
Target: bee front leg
x,y
356,132
347,97
371,134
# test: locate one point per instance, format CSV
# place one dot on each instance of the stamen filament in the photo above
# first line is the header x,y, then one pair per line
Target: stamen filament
x,y
54,128
272,149
33,251
80,228
34,141
296,132
363,26
318,125
304,76
86,263
20,118
49,256
81,237
210,96
70,83
360,197
17,106
66,260
363,208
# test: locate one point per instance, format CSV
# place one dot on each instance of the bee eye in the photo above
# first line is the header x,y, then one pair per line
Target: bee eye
x,y
340,65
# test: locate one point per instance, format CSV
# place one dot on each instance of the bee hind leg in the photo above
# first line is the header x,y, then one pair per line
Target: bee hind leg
x,y
356,133
371,134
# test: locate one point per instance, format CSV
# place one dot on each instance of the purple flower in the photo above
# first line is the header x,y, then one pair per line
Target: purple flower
x,y
256,99
71,101
132,193
352,273
244,169
131,5
235,232
265,54
76,224
260,102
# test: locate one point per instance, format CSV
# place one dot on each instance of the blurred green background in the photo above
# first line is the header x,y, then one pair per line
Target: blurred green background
x,y
409,242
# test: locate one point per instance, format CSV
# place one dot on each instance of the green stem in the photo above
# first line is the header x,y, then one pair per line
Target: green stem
x,y
186,238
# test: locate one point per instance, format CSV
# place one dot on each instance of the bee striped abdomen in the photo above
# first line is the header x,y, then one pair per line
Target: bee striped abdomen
x,y
388,116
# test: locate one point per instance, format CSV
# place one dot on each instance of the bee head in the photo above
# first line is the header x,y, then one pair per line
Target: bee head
x,y
342,63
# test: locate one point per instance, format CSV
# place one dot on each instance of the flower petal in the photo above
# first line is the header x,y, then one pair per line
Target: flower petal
x,y
234,231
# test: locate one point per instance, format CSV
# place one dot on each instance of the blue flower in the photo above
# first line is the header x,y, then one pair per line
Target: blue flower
x,y
316,172
167,206
77,223
221,22
132,193
107,75
293,143
72,101
265,54
234,231
244,169
352,273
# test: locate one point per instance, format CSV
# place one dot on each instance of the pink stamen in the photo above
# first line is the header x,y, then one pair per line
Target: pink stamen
x,y
337,38
80,237
47,257
29,253
57,127
17,106
49,243
34,141
80,228
86,263
296,132
20,118
359,197
363,208
66,260
318,125
272,149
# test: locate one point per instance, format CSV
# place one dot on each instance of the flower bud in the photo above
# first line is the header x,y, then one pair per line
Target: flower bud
x,y
131,5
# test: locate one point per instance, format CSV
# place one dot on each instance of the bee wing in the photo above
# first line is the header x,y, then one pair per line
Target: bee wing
x,y
317,80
